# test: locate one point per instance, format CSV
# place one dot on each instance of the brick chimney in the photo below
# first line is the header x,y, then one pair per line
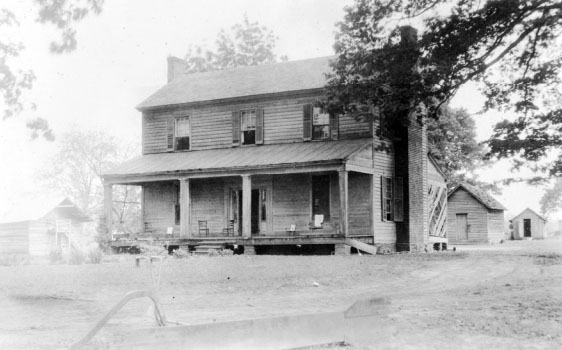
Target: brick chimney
x,y
411,165
176,67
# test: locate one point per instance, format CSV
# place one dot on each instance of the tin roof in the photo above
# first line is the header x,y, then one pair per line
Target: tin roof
x,y
243,81
241,158
480,195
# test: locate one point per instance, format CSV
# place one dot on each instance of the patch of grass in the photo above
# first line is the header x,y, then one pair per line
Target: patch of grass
x,y
95,256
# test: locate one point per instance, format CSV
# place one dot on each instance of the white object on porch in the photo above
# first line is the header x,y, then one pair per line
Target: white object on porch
x,y
170,230
318,220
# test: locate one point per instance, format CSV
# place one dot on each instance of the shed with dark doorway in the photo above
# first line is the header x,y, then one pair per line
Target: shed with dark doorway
x,y
528,224
474,216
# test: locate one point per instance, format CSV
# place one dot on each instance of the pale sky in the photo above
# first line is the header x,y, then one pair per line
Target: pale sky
x,y
121,59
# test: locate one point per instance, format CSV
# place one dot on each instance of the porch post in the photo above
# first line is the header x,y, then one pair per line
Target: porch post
x,y
344,209
185,208
246,206
108,206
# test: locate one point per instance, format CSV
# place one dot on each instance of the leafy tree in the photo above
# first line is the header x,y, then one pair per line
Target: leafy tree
x,y
452,143
247,44
75,171
64,15
508,46
552,198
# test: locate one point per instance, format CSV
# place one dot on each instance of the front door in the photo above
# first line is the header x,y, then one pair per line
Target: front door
x,y
462,226
527,227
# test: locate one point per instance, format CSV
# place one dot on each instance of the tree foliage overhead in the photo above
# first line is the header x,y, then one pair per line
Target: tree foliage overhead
x,y
509,46
452,143
64,15
247,44
552,198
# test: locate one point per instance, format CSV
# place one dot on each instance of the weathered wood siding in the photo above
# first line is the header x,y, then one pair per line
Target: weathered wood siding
x,y
383,160
537,225
360,204
211,125
291,202
40,240
354,127
14,238
159,206
496,225
462,202
207,203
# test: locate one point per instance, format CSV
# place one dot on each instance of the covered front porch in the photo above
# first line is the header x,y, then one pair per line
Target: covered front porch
x,y
272,203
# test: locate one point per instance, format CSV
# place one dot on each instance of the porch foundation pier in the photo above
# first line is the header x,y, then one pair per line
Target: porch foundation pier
x,y
246,206
344,202
108,206
342,249
185,208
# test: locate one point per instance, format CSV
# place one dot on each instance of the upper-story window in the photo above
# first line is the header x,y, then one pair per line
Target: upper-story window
x,y
248,127
320,124
182,132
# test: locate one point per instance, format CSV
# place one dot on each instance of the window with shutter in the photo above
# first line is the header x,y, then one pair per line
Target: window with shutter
x,y
182,134
320,124
248,127
259,126
398,199
307,122
386,198
236,128
170,134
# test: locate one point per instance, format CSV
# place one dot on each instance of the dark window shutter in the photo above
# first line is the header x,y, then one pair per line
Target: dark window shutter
x,y
334,126
307,122
383,191
170,133
398,199
236,128
259,126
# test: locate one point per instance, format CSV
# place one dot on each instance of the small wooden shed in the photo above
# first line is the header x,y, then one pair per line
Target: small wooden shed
x,y
528,224
37,230
474,216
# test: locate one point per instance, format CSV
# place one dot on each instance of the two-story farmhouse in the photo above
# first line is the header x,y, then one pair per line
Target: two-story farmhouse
x,y
244,157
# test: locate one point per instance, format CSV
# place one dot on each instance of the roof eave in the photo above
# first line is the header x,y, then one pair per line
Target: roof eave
x,y
142,108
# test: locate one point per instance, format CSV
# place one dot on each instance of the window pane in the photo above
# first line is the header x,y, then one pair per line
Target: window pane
x,y
263,201
182,127
248,120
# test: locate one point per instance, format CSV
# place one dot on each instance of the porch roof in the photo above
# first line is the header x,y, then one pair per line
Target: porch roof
x,y
286,155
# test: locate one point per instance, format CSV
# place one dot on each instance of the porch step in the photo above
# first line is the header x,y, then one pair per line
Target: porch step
x,y
204,249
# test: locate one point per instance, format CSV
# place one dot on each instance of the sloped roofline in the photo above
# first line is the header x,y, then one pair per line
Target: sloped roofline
x,y
434,162
532,211
477,197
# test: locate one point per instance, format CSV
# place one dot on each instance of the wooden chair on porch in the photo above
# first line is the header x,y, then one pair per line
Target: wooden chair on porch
x,y
230,229
203,227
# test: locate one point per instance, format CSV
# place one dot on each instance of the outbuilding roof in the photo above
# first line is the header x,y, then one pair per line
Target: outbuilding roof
x,y
241,82
480,195
241,158
532,212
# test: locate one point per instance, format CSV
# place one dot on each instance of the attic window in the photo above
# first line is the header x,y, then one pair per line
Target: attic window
x,y
248,127
182,133
320,124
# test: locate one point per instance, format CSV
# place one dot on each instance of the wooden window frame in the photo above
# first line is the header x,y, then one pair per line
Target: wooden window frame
x,y
176,138
392,199
241,115
328,124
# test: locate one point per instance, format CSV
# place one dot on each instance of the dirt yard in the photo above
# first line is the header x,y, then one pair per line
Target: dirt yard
x,y
505,296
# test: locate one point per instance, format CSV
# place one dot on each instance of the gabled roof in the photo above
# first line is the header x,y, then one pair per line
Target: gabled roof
x,y
532,211
38,208
480,195
241,158
242,82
